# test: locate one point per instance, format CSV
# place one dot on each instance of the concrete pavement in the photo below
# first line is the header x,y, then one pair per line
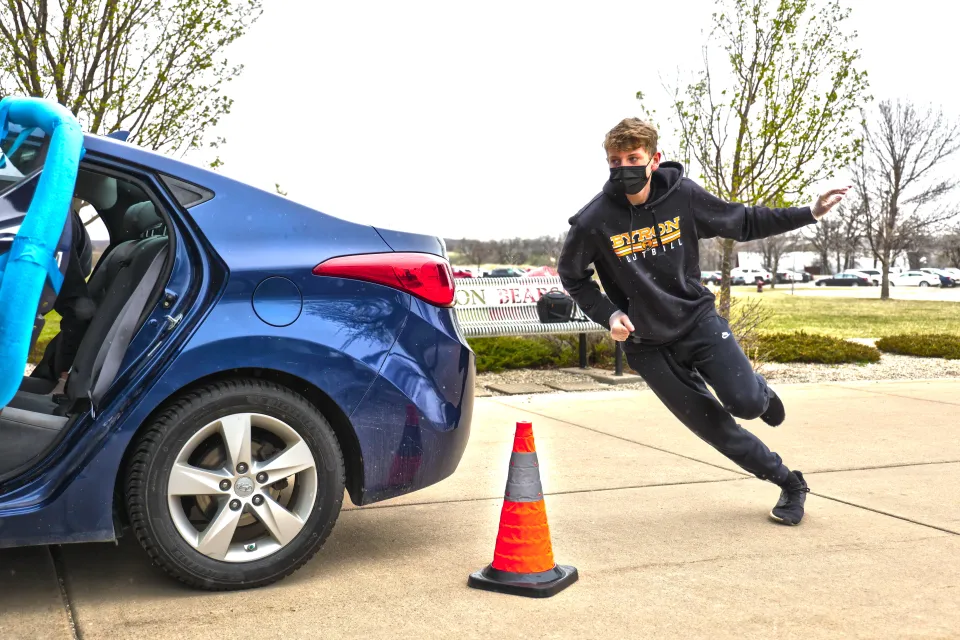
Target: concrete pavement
x,y
671,540
31,602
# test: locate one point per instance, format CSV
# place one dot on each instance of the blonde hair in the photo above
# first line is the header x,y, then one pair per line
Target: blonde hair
x,y
630,134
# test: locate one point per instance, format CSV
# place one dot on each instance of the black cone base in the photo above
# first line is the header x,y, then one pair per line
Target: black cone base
x,y
531,585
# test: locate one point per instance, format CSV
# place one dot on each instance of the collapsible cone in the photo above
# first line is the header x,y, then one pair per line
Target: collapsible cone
x,y
523,558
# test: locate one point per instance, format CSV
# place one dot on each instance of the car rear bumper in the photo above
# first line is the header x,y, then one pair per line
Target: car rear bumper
x,y
414,422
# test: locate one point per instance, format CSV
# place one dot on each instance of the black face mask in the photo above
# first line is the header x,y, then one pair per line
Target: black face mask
x,y
629,180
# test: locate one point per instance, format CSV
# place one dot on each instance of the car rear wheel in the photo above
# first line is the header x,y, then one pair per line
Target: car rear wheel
x,y
924,284
235,485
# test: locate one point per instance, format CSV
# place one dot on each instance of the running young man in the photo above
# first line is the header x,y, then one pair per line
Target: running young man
x,y
641,235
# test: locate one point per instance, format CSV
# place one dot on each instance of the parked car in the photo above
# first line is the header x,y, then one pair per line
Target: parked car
x,y
947,279
844,280
875,274
713,277
504,272
786,276
915,278
278,356
462,273
751,275
873,280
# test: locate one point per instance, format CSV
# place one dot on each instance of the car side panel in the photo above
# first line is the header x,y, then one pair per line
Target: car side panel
x,y
414,423
254,230
338,344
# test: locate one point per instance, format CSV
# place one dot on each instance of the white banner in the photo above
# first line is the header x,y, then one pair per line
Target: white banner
x,y
471,292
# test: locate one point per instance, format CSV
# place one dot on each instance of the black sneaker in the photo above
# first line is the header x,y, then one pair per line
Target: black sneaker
x,y
789,509
776,412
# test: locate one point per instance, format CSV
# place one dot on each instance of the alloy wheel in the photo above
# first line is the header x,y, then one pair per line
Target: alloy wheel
x,y
242,487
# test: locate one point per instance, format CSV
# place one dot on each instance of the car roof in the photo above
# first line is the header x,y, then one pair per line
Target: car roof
x,y
161,163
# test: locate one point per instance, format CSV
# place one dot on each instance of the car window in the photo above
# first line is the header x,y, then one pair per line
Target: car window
x,y
23,154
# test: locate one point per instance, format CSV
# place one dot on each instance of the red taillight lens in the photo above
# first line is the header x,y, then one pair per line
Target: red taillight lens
x,y
420,274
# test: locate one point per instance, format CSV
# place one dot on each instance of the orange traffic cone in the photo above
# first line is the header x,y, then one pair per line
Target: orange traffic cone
x,y
523,558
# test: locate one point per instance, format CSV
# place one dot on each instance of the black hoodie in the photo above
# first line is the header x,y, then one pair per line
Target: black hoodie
x,y
648,258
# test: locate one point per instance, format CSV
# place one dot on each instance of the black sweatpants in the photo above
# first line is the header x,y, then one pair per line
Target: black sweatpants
x,y
676,374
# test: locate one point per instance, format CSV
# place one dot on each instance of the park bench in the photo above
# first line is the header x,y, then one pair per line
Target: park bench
x,y
494,307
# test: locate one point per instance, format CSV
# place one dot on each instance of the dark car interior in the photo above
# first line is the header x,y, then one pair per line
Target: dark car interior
x,y
101,304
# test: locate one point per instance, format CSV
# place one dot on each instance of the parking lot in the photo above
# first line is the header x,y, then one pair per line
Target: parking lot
x,y
935,294
670,539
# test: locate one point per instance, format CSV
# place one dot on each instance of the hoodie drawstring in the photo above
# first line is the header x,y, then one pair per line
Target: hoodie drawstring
x,y
656,228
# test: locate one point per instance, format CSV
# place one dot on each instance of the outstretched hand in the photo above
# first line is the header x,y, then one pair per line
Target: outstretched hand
x,y
827,201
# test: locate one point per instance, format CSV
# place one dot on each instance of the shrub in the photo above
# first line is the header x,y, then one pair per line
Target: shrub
x,y
924,346
497,354
536,352
747,317
813,348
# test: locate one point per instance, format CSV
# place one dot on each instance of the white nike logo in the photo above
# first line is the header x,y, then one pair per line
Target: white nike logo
x,y
725,335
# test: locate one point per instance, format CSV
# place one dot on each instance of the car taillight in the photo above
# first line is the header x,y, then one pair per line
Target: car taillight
x,y
423,275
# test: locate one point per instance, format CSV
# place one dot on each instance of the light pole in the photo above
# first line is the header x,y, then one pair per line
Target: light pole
x,y
793,262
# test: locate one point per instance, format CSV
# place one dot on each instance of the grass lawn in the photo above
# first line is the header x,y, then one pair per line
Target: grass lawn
x,y
50,329
856,317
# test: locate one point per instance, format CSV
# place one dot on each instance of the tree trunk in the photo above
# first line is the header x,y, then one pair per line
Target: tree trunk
x,y
885,282
723,304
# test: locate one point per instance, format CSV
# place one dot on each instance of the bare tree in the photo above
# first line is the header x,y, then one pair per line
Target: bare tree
x,y
710,255
151,67
950,248
551,246
901,181
772,249
849,240
783,121
508,251
823,237
476,251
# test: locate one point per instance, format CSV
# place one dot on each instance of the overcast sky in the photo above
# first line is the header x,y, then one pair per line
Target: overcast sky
x,y
486,119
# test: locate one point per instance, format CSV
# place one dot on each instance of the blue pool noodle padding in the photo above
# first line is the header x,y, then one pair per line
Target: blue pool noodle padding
x,y
31,259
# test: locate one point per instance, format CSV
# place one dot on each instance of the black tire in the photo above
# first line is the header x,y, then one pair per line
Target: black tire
x,y
148,470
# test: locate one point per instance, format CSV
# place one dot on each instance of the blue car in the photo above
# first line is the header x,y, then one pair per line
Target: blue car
x,y
227,371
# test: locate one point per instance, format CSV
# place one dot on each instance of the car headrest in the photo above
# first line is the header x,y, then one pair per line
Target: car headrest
x,y
97,189
140,218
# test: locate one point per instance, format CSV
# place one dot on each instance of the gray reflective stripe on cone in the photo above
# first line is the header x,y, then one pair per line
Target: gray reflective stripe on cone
x,y
523,481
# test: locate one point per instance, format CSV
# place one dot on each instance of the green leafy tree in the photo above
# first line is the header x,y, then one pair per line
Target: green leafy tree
x,y
154,68
779,113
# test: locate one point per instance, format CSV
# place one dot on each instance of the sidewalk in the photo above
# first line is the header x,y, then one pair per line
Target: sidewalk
x,y
671,540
